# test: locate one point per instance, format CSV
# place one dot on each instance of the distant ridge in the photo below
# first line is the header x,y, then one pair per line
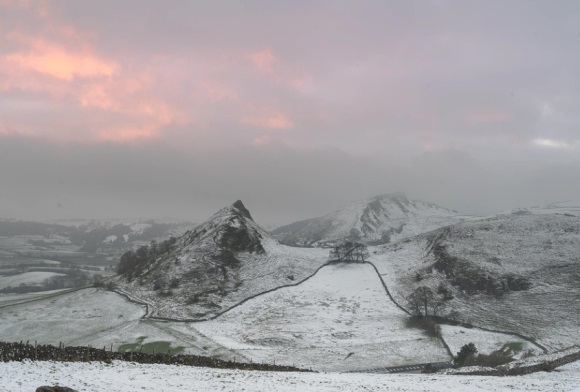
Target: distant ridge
x,y
374,221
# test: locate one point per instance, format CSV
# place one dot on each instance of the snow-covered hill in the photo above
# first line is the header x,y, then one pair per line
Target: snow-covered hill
x,y
515,272
221,262
379,220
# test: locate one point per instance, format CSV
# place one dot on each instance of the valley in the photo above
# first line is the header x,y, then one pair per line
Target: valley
x,y
229,290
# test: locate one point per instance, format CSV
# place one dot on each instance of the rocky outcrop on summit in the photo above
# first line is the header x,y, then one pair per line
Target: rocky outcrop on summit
x,y
212,267
379,220
231,229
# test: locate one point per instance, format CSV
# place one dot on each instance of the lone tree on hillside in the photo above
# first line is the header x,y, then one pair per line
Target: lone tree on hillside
x,y
423,302
467,352
349,251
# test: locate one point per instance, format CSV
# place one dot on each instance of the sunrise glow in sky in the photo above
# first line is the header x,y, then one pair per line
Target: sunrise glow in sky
x,y
149,108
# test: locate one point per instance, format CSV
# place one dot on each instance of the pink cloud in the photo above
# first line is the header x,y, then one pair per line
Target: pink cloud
x,y
264,61
90,94
54,59
67,72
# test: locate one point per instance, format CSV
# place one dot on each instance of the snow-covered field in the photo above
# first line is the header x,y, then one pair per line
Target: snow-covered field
x,y
6,299
97,318
340,319
485,342
72,318
28,278
131,377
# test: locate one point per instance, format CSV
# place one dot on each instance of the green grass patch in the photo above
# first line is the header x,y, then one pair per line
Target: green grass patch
x,y
158,346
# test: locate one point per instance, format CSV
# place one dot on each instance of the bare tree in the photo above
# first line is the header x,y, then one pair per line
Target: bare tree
x,y
423,302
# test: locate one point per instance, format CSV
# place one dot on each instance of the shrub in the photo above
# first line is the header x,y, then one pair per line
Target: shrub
x,y
98,283
467,352
427,324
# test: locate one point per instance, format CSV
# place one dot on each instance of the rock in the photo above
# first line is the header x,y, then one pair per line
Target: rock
x,y
55,388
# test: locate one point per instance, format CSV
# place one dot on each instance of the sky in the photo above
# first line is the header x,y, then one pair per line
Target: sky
x,y
174,109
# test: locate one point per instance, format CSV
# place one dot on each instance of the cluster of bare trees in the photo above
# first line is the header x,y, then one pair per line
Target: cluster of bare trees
x,y
423,302
349,251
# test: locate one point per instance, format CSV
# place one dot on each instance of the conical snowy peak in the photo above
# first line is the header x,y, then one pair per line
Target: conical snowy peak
x,y
214,266
233,229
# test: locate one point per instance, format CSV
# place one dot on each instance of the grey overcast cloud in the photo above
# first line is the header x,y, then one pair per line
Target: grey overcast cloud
x,y
149,109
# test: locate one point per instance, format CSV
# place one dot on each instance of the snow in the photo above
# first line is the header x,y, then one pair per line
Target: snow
x,y
131,377
14,299
28,278
485,342
543,248
110,239
97,318
392,215
341,319
279,265
80,317
571,207
139,228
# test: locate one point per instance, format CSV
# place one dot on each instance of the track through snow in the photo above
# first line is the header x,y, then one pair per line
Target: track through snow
x,y
340,319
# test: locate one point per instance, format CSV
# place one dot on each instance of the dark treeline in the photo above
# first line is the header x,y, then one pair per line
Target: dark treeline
x,y
24,351
133,264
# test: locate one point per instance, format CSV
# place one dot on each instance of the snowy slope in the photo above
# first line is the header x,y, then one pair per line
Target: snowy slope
x,y
340,319
378,220
218,264
28,278
71,317
97,318
132,377
516,273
